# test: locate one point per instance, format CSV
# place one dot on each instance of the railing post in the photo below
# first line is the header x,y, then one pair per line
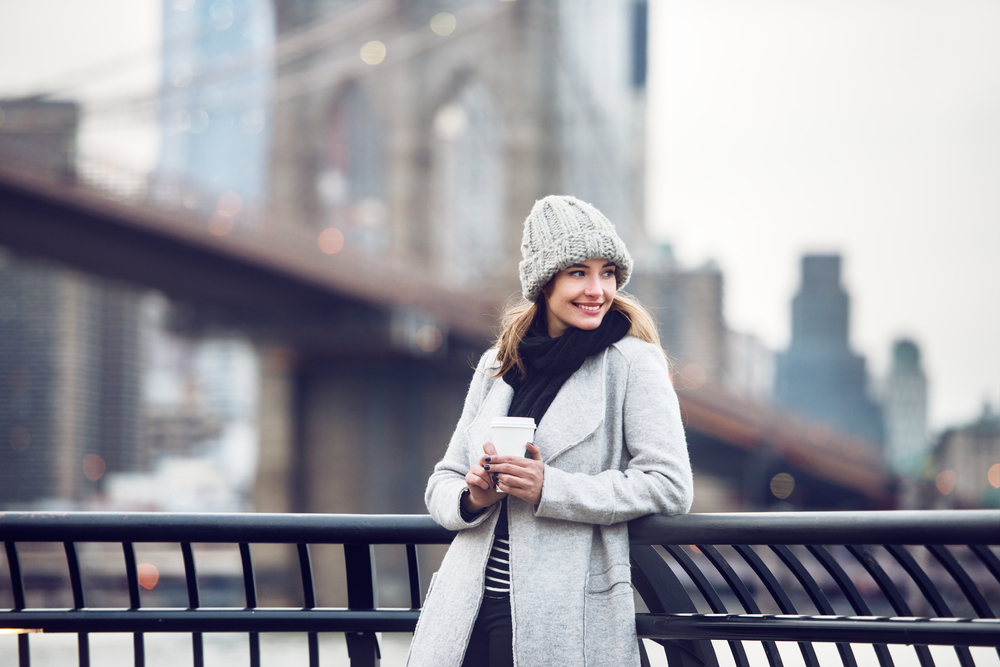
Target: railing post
x,y
17,588
362,647
662,592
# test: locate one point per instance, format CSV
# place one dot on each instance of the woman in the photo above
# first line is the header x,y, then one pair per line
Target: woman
x,y
585,362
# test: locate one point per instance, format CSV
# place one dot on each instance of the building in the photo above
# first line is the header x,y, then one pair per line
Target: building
x,y
966,465
819,375
69,346
904,406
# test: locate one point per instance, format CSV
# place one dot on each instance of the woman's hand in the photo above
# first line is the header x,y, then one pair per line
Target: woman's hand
x,y
520,477
482,492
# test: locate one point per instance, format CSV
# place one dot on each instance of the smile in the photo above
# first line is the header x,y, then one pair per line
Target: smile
x,y
589,309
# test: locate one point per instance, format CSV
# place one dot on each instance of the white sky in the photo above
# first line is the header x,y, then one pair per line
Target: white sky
x,y
777,127
865,127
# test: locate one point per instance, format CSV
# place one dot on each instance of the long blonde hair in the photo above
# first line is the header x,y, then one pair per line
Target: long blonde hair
x,y
518,317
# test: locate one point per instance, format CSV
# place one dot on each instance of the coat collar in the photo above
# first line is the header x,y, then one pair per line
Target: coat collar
x,y
576,412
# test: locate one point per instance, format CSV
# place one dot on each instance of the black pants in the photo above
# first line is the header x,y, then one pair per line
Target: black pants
x,y
492,641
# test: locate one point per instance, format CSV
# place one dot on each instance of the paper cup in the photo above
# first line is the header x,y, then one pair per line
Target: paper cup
x,y
509,434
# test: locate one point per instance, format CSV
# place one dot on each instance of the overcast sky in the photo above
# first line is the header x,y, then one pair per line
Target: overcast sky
x,y
865,127
776,127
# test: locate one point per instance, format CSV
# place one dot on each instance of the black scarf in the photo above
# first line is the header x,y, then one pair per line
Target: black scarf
x,y
551,361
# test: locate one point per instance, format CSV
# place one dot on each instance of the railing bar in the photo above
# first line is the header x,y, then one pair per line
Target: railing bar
x,y
988,558
254,649
964,581
131,574
14,567
308,598
139,649
194,601
132,577
961,577
313,649
23,651
742,594
359,562
815,594
249,583
708,591
76,583
250,590
414,572
777,592
888,588
83,649
197,649
931,593
305,568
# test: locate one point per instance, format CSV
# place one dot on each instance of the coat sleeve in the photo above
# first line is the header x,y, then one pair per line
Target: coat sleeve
x,y
447,483
657,479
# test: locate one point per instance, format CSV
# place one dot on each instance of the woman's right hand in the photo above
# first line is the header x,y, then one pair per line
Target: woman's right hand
x,y
482,491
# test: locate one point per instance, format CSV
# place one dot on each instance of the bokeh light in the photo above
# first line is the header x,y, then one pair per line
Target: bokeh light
x,y
373,52
429,338
993,474
199,121
331,240
782,485
443,23
252,122
229,202
94,467
945,481
19,438
148,575
220,224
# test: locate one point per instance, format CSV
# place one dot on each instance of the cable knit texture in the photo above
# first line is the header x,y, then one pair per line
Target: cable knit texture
x,y
561,231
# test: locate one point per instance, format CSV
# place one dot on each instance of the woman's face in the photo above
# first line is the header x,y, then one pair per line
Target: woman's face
x,y
580,295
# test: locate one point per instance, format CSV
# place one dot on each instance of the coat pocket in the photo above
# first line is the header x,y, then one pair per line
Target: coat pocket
x,y
609,619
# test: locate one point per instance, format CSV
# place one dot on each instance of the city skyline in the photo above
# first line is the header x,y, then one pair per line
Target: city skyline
x,y
905,203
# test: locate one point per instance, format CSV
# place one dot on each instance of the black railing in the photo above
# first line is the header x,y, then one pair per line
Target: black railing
x,y
935,580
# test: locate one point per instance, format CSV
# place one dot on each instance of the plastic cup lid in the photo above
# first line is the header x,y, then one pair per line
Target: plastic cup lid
x,y
517,422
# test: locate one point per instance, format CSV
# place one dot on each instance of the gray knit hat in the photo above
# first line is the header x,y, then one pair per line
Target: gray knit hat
x,y
561,231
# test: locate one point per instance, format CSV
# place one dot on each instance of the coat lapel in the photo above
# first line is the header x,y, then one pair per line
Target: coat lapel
x,y
577,410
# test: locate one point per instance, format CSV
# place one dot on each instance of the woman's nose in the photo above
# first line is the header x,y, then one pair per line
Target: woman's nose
x,y
593,287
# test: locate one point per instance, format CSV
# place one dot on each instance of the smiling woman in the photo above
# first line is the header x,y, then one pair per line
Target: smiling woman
x,y
540,567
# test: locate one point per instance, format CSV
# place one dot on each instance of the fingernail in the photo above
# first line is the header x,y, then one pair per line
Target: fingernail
x,y
496,479
486,467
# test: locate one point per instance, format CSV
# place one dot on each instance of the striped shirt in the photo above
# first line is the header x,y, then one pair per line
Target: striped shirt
x,y
498,569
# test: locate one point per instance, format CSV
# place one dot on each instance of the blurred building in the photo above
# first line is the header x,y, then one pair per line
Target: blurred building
x,y
819,375
904,406
69,345
218,71
687,304
967,465
435,155
69,383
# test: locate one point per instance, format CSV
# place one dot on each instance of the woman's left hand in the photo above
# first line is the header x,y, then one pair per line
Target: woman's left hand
x,y
521,477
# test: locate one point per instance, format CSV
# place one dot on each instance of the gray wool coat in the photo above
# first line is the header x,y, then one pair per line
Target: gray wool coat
x,y
614,450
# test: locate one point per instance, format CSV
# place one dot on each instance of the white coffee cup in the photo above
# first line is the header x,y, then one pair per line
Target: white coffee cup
x,y
509,434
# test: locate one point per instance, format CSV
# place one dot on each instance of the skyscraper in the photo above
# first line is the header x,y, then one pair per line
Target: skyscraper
x,y
905,407
819,375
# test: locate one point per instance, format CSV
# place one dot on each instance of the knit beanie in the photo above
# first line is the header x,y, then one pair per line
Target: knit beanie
x,y
561,231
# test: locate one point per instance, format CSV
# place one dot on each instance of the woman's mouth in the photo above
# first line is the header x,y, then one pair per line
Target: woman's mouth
x,y
590,308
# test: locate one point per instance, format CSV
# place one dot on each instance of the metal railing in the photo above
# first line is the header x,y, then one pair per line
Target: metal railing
x,y
767,577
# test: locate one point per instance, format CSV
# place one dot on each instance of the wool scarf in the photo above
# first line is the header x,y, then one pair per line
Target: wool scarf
x,y
551,361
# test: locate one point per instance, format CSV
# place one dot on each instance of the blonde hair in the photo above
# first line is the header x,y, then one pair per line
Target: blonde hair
x,y
518,317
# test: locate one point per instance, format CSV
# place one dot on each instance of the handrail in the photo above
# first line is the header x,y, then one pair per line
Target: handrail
x,y
707,582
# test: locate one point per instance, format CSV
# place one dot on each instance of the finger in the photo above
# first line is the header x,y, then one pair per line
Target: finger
x,y
489,449
536,453
477,480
